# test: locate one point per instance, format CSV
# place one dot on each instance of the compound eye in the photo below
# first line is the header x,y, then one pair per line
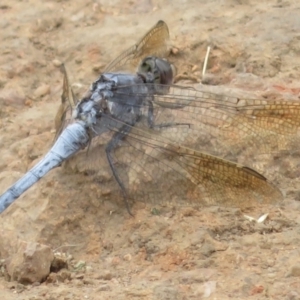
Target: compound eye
x,y
145,67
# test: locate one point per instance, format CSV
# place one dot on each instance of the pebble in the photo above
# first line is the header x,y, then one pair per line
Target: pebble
x,y
103,288
77,17
42,90
56,62
88,268
28,102
115,261
106,275
79,276
295,271
63,275
98,68
31,262
127,257
194,68
174,51
88,281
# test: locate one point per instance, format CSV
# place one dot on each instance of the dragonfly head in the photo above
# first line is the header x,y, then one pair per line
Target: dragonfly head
x,y
160,72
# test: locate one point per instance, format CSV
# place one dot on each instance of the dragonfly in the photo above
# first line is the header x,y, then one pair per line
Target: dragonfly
x,y
153,134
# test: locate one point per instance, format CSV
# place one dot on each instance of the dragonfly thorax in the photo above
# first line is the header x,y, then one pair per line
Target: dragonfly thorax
x,y
112,95
94,103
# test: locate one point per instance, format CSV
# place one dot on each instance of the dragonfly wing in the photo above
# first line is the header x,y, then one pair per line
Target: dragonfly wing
x,y
194,177
154,42
280,116
155,170
68,102
236,124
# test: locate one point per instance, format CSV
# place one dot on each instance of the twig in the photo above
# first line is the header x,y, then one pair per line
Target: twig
x,y
205,61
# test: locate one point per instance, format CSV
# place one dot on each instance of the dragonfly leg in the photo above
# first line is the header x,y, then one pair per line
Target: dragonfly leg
x,y
162,125
113,143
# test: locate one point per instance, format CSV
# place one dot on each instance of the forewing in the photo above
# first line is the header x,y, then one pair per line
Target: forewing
x,y
154,42
224,125
68,102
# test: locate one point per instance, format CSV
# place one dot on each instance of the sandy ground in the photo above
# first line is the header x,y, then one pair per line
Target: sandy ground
x,y
181,253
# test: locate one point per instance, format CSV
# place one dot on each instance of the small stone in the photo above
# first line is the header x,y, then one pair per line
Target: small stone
x,y
106,275
127,257
295,271
42,90
56,62
115,261
63,275
194,68
174,51
88,268
257,289
79,276
98,68
28,102
12,285
20,288
77,17
36,284
211,79
51,278
31,263
103,288
88,281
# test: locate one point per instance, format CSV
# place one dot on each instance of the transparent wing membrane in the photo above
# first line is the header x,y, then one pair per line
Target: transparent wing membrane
x,y
155,42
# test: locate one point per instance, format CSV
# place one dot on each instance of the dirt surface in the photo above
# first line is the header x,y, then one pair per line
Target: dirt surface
x,y
169,253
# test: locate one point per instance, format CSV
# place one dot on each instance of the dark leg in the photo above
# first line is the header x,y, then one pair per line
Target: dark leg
x,y
151,121
113,143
